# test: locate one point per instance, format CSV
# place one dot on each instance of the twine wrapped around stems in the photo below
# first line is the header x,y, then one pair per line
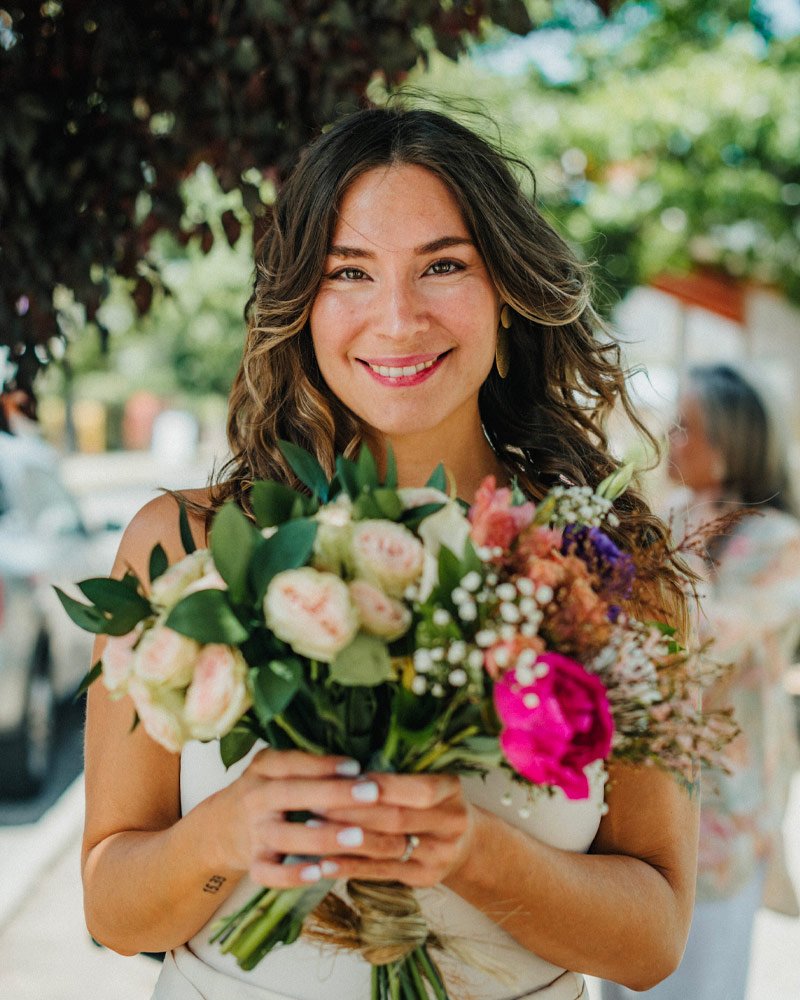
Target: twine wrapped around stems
x,y
383,921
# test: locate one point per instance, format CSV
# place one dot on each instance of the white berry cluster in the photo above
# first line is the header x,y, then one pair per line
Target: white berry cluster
x,y
581,505
487,612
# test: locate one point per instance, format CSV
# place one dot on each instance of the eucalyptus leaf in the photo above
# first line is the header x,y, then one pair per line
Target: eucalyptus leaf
x,y
206,616
365,662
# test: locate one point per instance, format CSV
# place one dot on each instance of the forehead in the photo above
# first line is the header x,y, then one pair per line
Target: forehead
x,y
397,208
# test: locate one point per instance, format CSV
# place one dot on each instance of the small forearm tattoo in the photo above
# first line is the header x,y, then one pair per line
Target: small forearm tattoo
x,y
214,884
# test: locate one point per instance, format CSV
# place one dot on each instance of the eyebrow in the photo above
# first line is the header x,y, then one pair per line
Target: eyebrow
x,y
442,243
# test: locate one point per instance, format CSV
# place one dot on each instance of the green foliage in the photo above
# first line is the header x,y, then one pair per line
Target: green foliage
x,y
108,106
364,663
233,540
206,616
670,150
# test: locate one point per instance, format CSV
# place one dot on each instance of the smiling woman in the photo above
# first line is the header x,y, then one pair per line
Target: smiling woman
x,y
408,293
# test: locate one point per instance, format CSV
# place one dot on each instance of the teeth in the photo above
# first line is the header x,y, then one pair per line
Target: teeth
x,y
399,372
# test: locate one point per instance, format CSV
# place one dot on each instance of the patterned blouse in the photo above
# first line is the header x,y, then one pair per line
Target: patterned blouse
x,y
751,607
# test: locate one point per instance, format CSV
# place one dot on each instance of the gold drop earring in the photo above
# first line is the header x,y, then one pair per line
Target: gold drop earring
x,y
502,354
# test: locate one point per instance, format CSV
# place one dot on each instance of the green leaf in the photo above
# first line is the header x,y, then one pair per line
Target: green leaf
x,y
306,468
615,485
233,539
449,571
158,562
85,616
206,616
273,686
88,679
367,469
390,479
347,474
289,548
186,532
365,662
115,596
388,503
414,516
235,744
438,479
272,502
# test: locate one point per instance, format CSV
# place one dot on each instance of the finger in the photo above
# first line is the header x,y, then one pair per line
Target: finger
x,y
284,763
443,822
320,839
416,791
276,875
288,794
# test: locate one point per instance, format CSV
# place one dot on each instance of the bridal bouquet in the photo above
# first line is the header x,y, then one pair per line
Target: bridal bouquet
x,y
413,634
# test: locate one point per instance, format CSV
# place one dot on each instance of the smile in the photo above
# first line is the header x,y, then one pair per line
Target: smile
x,y
405,374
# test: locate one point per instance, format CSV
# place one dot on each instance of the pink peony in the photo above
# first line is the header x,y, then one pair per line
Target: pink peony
x,y
160,712
387,555
555,725
117,660
496,522
166,657
380,615
312,611
217,697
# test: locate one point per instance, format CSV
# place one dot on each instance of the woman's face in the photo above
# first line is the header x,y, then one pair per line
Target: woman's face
x,y
405,321
694,461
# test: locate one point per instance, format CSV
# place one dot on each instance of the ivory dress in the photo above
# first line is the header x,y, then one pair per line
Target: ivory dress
x,y
304,971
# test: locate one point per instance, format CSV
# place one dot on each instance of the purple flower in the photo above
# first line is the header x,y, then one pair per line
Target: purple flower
x,y
613,567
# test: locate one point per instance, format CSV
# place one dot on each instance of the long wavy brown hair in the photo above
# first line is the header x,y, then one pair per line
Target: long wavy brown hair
x,y
546,420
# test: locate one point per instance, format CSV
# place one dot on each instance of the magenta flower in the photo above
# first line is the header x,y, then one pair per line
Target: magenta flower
x,y
554,725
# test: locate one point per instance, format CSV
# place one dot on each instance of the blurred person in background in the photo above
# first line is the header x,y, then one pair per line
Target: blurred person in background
x,y
725,453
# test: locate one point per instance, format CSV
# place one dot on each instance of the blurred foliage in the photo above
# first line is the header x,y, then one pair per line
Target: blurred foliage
x,y
666,150
108,106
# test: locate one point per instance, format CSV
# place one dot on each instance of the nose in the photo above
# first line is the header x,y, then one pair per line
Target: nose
x,y
402,314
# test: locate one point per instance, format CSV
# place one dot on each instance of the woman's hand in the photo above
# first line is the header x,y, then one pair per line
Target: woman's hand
x,y
360,826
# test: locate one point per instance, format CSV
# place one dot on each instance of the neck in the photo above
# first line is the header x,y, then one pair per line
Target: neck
x,y
467,457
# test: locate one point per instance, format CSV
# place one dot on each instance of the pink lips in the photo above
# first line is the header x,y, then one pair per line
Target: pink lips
x,y
400,381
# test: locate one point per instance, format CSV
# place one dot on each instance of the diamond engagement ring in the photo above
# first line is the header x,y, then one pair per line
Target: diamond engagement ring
x,y
412,843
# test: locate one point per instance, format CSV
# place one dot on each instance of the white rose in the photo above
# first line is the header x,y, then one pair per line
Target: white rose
x,y
217,697
387,555
449,527
420,496
118,658
160,711
165,657
332,542
380,615
312,611
173,584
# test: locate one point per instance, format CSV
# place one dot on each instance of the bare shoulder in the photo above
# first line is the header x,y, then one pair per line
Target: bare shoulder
x,y
158,523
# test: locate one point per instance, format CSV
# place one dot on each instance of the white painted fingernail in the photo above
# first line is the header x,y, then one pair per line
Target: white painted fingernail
x,y
353,836
329,868
314,824
365,791
311,873
348,768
